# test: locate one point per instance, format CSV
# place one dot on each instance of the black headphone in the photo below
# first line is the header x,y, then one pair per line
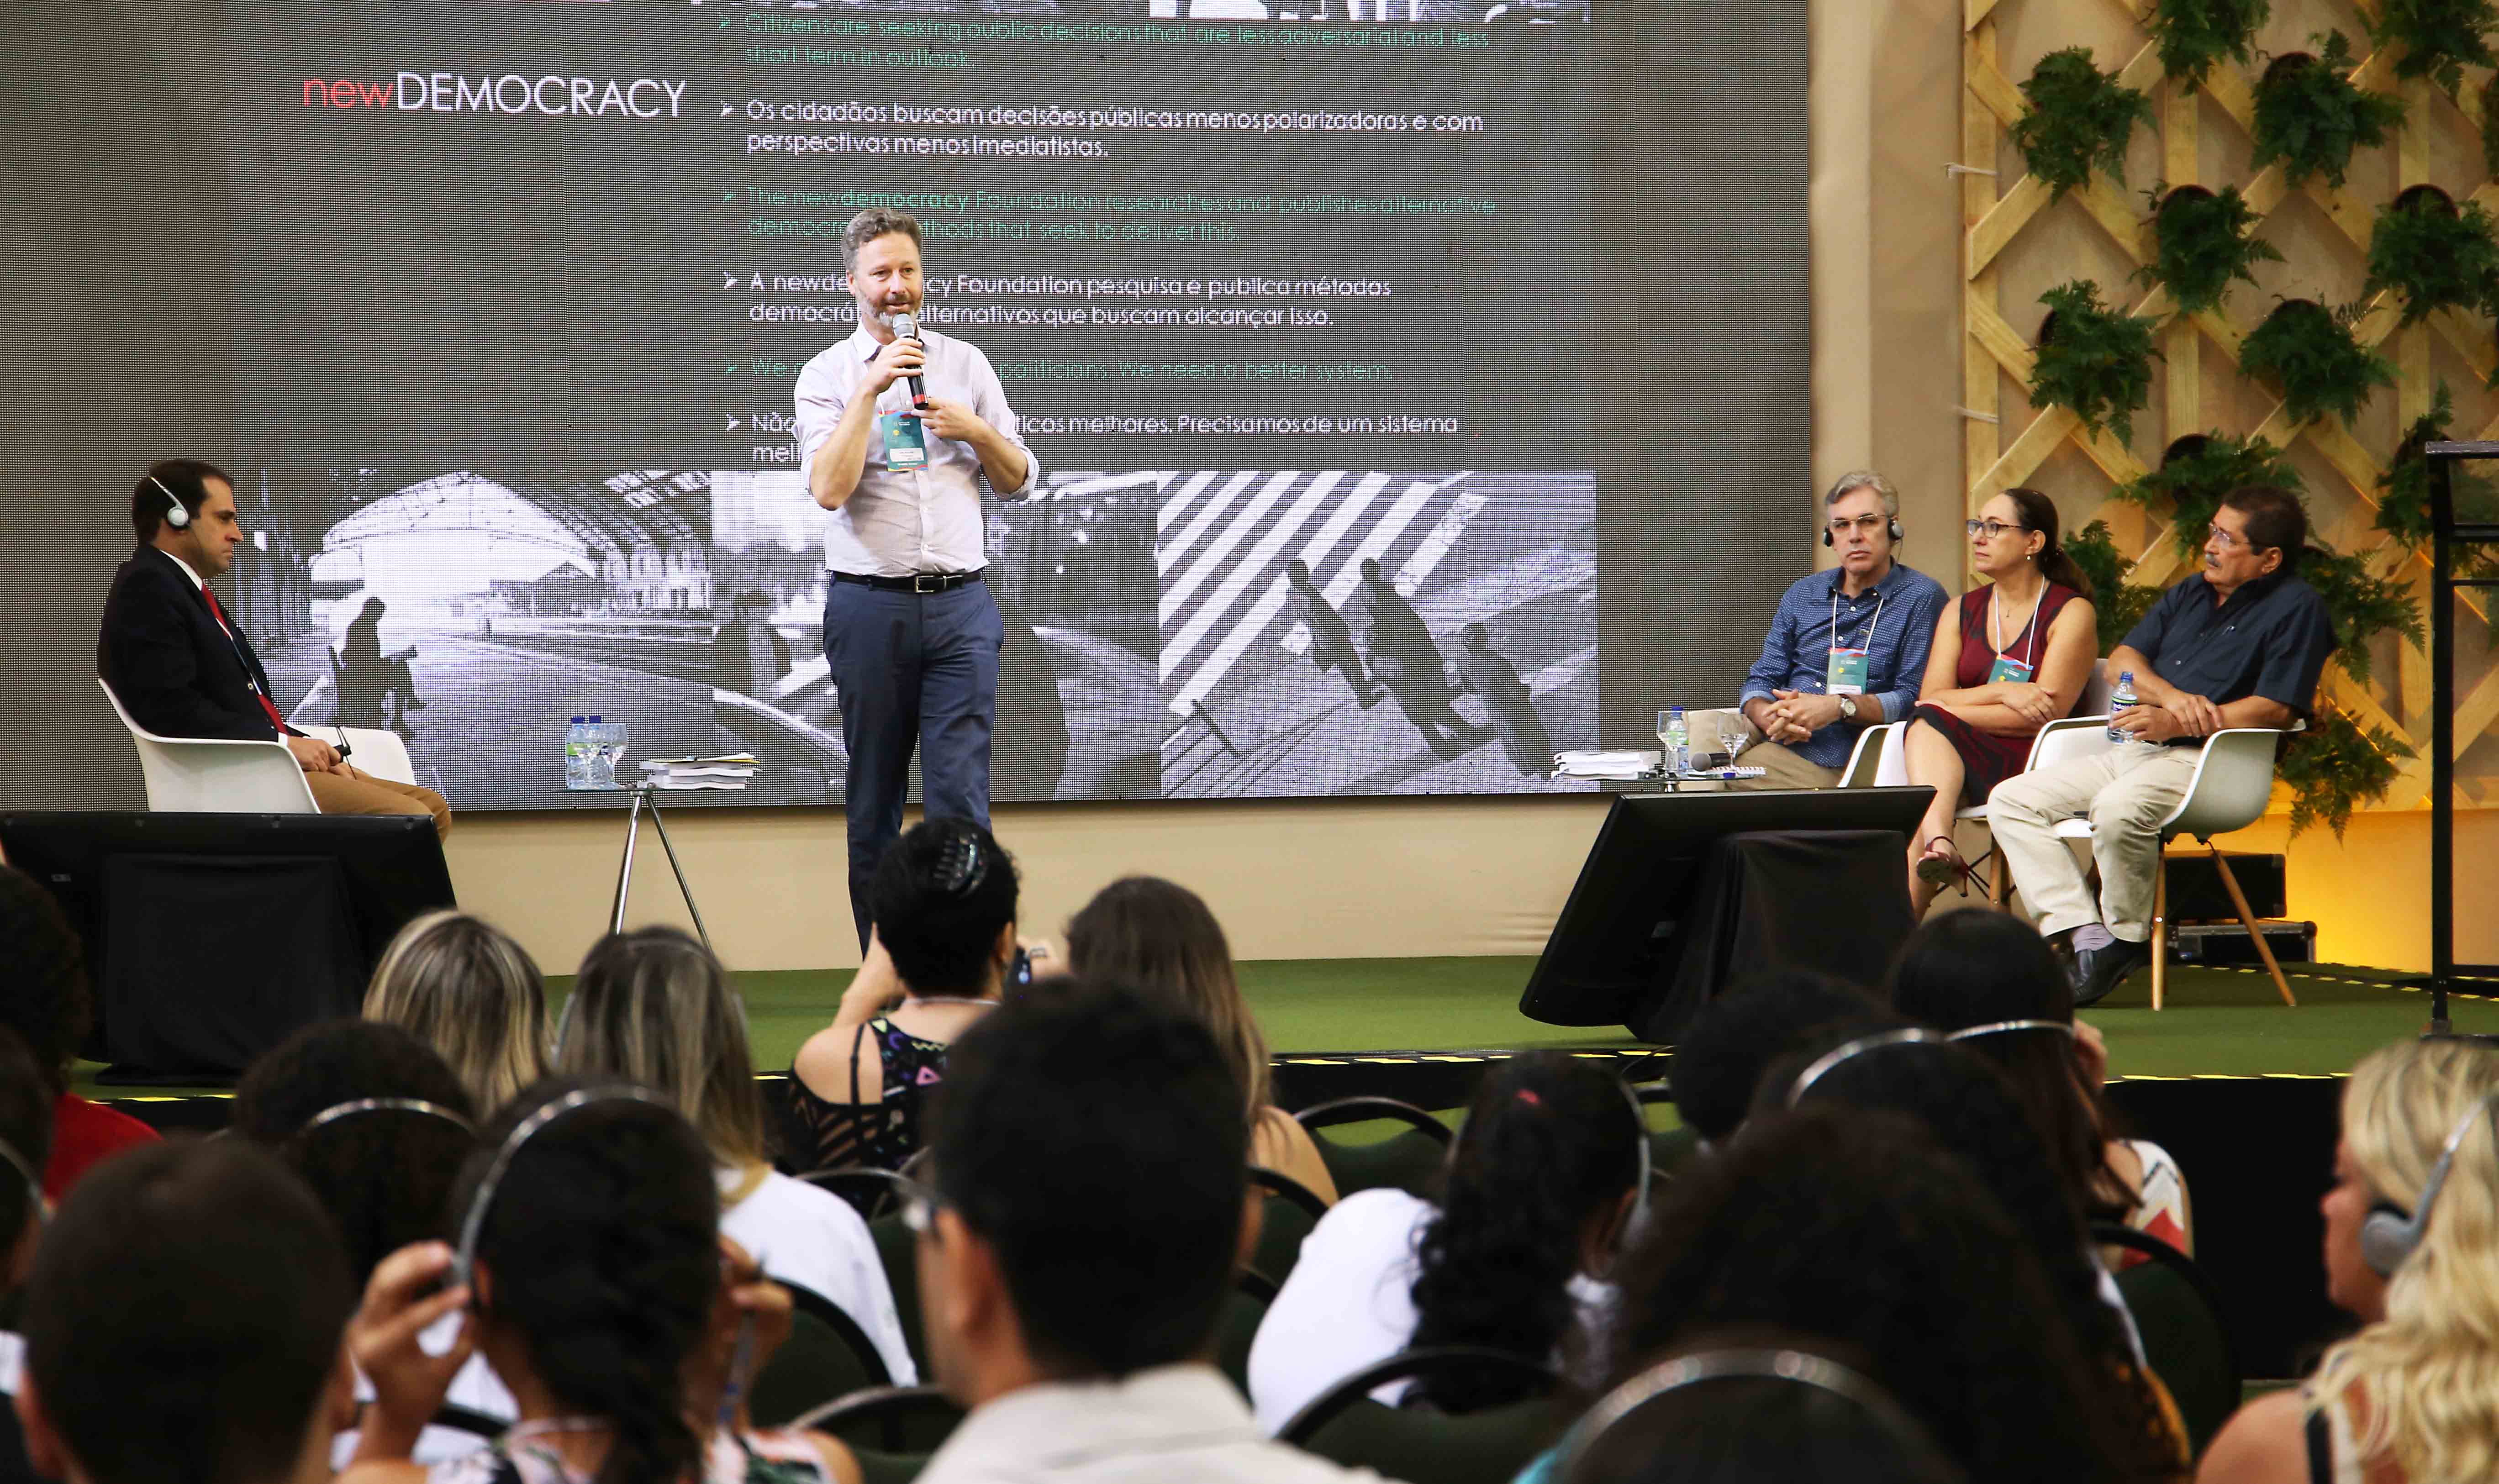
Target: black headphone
x,y
1894,528
179,515
2390,1234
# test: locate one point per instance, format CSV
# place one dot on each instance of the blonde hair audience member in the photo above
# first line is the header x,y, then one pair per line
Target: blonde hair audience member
x,y
1156,936
2414,1398
464,987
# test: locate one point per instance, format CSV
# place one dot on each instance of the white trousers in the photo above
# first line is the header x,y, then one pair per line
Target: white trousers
x,y
2127,792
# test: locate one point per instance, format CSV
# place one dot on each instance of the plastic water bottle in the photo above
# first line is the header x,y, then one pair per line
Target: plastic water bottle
x,y
2118,699
576,753
603,768
1678,742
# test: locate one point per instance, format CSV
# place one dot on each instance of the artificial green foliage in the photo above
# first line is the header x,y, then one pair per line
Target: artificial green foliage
x,y
2491,136
2204,240
2438,37
2403,492
2097,361
2080,116
2360,606
2435,256
2189,486
2334,768
2311,117
2322,367
2191,35
2119,603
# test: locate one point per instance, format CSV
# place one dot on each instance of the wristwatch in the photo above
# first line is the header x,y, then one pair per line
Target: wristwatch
x,y
1848,708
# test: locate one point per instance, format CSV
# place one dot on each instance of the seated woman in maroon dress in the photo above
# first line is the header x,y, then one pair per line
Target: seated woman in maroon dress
x,y
2009,657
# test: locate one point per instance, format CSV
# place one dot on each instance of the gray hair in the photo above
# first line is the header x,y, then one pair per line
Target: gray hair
x,y
1857,480
466,989
869,225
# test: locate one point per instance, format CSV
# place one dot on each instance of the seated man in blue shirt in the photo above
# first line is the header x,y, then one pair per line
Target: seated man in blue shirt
x,y
2239,644
1846,650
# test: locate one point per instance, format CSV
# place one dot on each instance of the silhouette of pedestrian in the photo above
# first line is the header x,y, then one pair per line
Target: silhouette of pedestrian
x,y
1331,641
1524,740
1404,659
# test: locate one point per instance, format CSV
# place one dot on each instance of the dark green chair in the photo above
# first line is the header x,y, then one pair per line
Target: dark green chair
x,y
1292,1210
1420,1445
826,1355
1236,1328
1408,1161
2179,1313
873,1193
892,1429
898,1253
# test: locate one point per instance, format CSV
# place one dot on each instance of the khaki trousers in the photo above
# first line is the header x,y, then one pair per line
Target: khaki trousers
x,y
365,793
1780,767
2127,792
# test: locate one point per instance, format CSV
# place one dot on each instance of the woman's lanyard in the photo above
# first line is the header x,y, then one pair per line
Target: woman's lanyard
x,y
1845,671
2006,668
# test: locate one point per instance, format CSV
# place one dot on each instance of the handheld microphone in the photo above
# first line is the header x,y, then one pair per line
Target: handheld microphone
x,y
907,327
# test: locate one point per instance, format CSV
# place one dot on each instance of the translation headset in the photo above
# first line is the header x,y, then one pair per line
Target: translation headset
x,y
34,1183
1795,1366
1911,1034
336,1111
2389,1234
179,515
1640,1142
464,1260
1893,528
1999,1028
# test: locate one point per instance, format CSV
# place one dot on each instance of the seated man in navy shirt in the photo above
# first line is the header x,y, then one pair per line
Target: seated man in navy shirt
x,y
2240,644
1845,651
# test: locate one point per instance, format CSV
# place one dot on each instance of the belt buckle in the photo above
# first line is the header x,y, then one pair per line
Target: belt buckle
x,y
928,582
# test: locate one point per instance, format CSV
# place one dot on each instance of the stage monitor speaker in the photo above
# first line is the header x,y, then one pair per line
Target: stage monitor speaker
x,y
2197,892
1616,950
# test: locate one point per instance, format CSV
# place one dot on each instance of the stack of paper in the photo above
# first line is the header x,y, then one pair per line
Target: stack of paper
x,y
730,770
1625,763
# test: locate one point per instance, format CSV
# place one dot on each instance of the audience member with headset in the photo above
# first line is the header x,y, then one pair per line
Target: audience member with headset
x,y
464,987
25,1144
2411,1247
588,1256
181,667
1542,1186
654,1008
378,1128
1968,1109
49,1004
1846,649
2011,656
183,1322
1071,1301
1855,1228
1762,1018
1988,981
939,955
1157,936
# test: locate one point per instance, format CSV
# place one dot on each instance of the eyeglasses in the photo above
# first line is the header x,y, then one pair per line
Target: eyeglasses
x,y
2230,540
1843,525
1990,529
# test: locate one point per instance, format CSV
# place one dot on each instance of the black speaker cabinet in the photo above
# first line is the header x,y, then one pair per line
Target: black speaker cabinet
x,y
2197,892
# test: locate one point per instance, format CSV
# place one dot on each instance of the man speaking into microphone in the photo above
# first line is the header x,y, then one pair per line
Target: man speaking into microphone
x,y
898,429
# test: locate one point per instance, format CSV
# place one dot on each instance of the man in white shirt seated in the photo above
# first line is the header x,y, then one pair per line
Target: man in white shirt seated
x,y
1081,1225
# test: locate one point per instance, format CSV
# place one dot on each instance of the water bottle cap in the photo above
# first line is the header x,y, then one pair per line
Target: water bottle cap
x,y
577,720
594,721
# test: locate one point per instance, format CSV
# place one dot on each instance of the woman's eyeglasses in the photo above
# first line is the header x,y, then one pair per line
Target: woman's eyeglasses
x,y
1990,529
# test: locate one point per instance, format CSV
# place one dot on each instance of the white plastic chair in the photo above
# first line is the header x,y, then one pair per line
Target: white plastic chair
x,y
214,775
1886,765
2233,782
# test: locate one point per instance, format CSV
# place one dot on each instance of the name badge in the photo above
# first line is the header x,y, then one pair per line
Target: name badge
x,y
2008,670
1846,673
906,442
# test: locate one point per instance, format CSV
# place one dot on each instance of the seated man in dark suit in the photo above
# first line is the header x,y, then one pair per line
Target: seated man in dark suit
x,y
180,665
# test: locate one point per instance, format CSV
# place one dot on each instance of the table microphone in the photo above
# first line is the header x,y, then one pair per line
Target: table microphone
x,y
909,329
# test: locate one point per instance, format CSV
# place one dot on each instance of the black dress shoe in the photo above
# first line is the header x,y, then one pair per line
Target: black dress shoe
x,y
2096,972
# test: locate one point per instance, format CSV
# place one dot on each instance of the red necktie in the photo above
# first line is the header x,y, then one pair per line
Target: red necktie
x,y
266,704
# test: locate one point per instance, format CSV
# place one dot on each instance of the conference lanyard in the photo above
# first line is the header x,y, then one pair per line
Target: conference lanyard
x,y
1847,668
2007,668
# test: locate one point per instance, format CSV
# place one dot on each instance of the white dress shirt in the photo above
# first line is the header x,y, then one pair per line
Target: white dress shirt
x,y
902,521
1169,1424
815,1238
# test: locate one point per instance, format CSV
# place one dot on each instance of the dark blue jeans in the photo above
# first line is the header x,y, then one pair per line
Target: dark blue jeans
x,y
911,666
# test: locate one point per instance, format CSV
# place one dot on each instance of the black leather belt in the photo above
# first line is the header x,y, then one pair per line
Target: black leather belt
x,y
918,582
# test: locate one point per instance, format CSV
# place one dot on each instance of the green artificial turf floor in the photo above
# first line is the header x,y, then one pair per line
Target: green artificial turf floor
x,y
2220,1021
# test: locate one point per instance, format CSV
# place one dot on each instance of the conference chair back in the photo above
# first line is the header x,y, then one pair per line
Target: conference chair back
x,y
827,1356
1407,1160
2186,1335
215,775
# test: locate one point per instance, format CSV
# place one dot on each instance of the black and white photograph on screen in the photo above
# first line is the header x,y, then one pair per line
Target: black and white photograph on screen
x,y
1077,714
475,612
1344,631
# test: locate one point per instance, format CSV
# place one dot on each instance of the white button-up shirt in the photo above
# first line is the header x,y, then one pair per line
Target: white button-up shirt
x,y
900,522
1169,1424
